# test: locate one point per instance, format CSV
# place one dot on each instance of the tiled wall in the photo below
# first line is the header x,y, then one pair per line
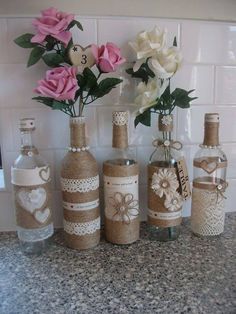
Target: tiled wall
x,y
209,50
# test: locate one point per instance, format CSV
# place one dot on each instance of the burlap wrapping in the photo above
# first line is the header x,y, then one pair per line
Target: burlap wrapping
x,y
211,135
80,165
119,232
26,219
156,204
120,137
209,164
165,127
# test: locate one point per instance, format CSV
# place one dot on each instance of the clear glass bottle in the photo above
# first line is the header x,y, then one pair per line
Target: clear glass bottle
x,y
164,198
121,173
209,183
30,176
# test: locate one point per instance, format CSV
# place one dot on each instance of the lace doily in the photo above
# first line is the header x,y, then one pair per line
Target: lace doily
x,y
81,229
34,235
120,118
80,185
208,214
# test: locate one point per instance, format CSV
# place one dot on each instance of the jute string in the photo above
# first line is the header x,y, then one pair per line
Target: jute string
x,y
120,136
121,232
29,149
80,165
156,203
24,218
211,135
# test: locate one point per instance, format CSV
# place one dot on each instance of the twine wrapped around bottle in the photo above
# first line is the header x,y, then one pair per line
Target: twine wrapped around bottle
x,y
211,135
165,123
80,192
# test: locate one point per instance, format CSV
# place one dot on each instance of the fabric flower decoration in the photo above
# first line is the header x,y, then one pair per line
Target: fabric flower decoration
x,y
164,182
60,83
173,202
148,44
167,120
53,23
165,62
108,57
124,206
147,94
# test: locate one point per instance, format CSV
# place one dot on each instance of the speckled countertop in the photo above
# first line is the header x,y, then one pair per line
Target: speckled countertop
x,y
190,275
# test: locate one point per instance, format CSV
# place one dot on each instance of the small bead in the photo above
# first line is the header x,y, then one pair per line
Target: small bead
x,y
78,149
166,143
83,149
73,149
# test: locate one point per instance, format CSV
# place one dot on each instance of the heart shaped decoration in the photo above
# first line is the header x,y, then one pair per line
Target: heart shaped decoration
x,y
209,166
81,57
44,174
42,216
31,200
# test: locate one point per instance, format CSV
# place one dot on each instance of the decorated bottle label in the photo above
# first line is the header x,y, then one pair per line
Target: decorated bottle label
x,y
121,203
164,200
33,198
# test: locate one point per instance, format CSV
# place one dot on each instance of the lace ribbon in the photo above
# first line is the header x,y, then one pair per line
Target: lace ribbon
x,y
82,229
80,185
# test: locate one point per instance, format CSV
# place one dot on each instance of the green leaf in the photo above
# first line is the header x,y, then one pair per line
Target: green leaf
x,y
44,100
144,73
59,105
144,118
53,59
105,86
35,55
24,41
90,79
77,23
81,80
175,42
181,98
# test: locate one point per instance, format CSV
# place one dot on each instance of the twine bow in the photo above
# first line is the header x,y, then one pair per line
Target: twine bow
x,y
166,143
123,204
220,190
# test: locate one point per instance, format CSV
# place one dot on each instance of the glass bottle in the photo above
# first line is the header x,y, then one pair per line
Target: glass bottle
x,y
30,176
164,198
209,183
121,186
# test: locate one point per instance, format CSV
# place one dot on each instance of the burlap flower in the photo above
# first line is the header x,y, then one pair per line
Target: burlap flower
x,y
164,182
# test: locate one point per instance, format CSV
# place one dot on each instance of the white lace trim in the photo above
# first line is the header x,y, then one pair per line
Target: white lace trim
x,y
120,118
80,185
165,216
208,213
81,229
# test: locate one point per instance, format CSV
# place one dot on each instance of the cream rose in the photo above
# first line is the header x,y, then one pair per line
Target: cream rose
x,y
148,44
147,94
166,62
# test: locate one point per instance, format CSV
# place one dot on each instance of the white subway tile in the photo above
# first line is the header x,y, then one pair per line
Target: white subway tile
x,y
89,34
17,84
121,31
231,196
191,123
15,28
230,152
7,212
225,85
3,41
198,77
209,42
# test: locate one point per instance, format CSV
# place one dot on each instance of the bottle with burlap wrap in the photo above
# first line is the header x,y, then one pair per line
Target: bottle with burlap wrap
x,y
30,176
80,191
120,175
165,197
209,183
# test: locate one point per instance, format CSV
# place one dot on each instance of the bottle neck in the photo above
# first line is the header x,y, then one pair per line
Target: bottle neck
x,y
120,137
26,143
211,134
77,133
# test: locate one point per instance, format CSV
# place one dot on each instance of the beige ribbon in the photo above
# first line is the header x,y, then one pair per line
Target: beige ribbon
x,y
166,143
122,206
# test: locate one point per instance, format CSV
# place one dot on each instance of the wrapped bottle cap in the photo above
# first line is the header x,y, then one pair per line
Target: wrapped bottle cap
x,y
120,129
212,117
27,124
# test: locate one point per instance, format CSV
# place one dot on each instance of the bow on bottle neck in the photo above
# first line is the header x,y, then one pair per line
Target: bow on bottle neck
x,y
166,143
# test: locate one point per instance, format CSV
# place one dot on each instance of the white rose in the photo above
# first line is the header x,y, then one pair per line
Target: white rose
x,y
147,94
148,44
166,62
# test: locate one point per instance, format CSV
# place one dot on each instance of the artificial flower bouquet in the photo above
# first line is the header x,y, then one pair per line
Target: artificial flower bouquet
x,y
155,65
67,83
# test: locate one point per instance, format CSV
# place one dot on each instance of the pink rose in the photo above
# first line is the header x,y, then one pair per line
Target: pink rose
x,y
60,83
53,23
108,57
